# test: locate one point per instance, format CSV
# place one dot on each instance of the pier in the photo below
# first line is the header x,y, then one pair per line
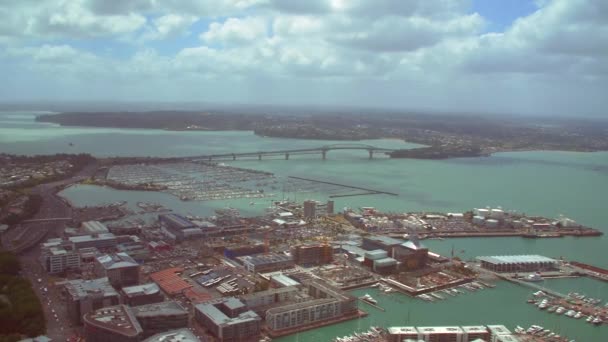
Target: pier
x,y
372,304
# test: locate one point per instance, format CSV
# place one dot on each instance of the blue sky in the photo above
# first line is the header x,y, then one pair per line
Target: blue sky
x,y
540,57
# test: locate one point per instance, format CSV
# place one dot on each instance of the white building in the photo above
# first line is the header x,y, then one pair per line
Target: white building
x,y
57,257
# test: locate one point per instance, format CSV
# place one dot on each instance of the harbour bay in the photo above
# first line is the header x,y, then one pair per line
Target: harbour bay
x,y
537,183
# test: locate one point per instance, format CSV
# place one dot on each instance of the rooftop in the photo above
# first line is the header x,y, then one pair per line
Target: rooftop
x,y
80,289
386,240
94,227
284,280
265,259
179,335
177,220
139,290
163,308
170,281
210,310
440,330
95,237
119,319
117,260
516,259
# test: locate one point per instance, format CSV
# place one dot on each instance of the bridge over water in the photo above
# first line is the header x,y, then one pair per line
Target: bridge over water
x,y
287,153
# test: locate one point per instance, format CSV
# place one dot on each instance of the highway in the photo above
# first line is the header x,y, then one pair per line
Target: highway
x,y
58,326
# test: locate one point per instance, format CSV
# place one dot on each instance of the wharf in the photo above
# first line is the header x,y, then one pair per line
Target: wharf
x,y
410,291
590,270
509,233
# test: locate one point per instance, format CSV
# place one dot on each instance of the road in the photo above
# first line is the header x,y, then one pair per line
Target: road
x,y
58,326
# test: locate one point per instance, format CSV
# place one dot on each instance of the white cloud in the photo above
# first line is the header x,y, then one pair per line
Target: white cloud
x,y
236,31
168,26
396,52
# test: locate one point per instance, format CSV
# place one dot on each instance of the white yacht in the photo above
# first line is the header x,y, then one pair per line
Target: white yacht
x,y
369,299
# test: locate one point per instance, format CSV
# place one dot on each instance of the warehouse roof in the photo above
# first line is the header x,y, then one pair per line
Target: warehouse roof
x,y
114,261
170,281
516,259
79,288
265,259
284,280
162,308
210,310
139,290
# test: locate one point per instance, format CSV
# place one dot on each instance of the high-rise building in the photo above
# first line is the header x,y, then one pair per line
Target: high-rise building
x,y
312,254
120,269
58,256
85,296
310,209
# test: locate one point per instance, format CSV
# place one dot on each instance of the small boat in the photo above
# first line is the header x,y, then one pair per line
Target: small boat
x,y
520,330
597,320
369,299
578,315
436,295
552,309
570,313
543,305
560,310
590,319
533,278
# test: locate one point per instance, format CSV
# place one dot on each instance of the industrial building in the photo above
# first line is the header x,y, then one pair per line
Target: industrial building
x,y
84,296
141,294
159,317
119,268
448,334
178,228
518,263
228,319
99,241
266,262
312,254
57,257
179,335
326,303
112,324
94,227
281,280
233,252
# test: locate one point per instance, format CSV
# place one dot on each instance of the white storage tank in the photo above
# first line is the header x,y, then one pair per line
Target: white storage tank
x,y
483,212
497,214
478,220
492,223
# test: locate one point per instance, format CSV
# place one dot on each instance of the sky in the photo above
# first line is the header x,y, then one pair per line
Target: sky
x,y
543,57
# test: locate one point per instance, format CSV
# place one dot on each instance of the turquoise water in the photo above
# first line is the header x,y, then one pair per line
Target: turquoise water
x,y
537,183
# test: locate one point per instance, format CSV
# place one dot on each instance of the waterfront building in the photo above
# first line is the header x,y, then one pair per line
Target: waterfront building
x,y
269,297
266,263
85,296
178,335
312,254
412,254
228,319
99,241
326,303
446,334
159,317
141,294
112,324
94,227
472,333
120,269
57,257
517,263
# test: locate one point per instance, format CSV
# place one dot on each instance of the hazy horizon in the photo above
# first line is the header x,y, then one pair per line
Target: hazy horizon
x,y
534,57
